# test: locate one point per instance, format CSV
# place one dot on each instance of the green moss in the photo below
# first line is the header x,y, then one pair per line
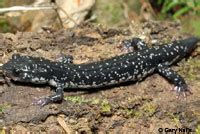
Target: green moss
x,y
129,112
77,99
190,69
197,130
105,106
138,100
132,113
149,109
81,99
138,114
3,107
142,107
135,99
174,119
95,101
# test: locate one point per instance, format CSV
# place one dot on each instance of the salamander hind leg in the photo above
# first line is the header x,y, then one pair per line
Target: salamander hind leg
x,y
55,98
133,44
180,85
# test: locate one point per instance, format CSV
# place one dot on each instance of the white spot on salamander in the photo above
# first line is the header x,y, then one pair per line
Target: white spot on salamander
x,y
151,55
42,78
36,79
52,82
87,77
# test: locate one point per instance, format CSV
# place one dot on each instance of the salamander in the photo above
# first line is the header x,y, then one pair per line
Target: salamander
x,y
132,66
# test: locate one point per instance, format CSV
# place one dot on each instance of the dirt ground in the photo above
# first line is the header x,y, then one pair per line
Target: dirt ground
x,y
141,107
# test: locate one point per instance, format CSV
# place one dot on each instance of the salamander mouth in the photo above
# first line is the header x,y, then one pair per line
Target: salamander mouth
x,y
9,76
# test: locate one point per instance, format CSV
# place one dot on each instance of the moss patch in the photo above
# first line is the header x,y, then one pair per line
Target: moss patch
x,y
3,107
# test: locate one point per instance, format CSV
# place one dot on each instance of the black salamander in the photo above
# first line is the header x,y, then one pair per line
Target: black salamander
x,y
132,66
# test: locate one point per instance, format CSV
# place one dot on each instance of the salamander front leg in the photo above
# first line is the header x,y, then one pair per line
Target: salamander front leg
x,y
133,44
180,85
57,97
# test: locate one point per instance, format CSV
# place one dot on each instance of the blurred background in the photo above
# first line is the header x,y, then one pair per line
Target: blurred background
x,y
33,15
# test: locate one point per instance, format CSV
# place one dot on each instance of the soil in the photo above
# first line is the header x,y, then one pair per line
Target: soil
x,y
141,107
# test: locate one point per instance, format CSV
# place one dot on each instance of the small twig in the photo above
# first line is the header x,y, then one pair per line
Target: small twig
x,y
64,125
126,10
68,16
26,8
58,15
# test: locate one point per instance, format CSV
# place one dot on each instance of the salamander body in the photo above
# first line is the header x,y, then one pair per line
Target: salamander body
x,y
133,66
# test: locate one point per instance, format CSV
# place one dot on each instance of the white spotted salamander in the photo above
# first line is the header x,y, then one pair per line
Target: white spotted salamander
x,y
132,66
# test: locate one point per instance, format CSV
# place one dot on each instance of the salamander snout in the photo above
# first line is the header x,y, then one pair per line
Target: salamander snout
x,y
190,43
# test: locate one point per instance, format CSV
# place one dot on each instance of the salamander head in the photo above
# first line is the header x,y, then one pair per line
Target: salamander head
x,y
26,69
178,50
189,44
